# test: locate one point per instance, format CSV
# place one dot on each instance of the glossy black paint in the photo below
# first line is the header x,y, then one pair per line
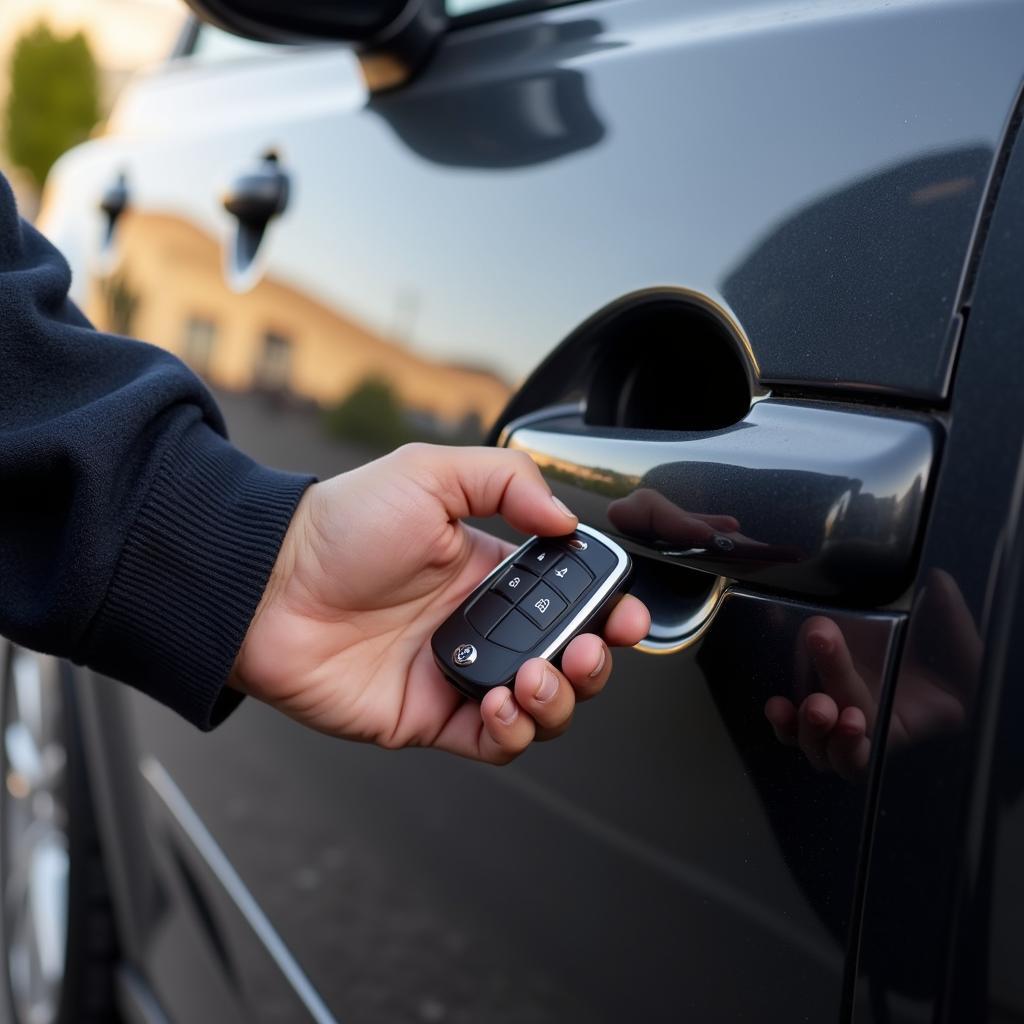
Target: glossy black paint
x,y
676,865
923,877
986,983
823,501
815,179
589,191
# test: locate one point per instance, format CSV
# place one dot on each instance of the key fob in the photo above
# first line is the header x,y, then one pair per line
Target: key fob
x,y
531,606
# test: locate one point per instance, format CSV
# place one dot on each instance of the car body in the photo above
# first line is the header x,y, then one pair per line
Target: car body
x,y
748,259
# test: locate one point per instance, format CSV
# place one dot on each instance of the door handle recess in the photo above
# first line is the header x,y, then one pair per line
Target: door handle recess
x,y
808,499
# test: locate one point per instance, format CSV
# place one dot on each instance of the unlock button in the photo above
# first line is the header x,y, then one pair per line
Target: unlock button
x,y
513,583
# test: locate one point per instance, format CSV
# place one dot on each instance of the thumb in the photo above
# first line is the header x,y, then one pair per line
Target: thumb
x,y
489,481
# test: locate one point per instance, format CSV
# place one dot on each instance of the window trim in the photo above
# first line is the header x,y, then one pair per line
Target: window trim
x,y
186,41
506,9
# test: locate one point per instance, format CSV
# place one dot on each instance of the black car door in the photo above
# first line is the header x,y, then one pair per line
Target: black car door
x,y
707,260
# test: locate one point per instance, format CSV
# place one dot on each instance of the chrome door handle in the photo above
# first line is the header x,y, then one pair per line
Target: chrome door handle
x,y
803,498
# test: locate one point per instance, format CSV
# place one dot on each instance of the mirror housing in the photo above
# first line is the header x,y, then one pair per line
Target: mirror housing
x,y
393,37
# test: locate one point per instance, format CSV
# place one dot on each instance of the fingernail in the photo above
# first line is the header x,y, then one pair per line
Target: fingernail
x,y
596,671
508,711
562,507
547,687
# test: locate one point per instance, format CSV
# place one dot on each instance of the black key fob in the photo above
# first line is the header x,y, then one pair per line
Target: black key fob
x,y
531,606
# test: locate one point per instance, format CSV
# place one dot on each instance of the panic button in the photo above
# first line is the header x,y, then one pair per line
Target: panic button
x,y
542,604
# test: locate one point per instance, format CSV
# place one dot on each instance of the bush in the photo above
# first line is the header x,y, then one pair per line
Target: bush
x,y
371,414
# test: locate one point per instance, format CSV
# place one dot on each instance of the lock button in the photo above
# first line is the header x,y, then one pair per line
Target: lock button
x,y
539,555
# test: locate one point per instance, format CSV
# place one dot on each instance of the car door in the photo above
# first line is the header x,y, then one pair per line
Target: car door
x,y
702,262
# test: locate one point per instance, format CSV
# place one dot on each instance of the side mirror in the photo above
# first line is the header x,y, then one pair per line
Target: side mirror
x,y
394,36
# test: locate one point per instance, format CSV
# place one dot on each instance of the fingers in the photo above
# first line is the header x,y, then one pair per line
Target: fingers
x,y
816,718
544,699
507,730
648,513
541,707
722,524
489,481
849,748
547,696
828,737
587,664
834,667
782,716
628,624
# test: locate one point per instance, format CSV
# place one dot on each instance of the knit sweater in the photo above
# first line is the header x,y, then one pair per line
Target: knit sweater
x,y
133,537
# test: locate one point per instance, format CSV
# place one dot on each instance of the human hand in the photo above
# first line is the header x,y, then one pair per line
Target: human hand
x,y
834,726
373,561
648,514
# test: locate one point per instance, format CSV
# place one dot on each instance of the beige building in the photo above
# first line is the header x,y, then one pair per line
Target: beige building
x,y
168,287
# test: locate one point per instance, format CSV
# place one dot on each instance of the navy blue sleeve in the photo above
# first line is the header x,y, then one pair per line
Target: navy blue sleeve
x,y
133,537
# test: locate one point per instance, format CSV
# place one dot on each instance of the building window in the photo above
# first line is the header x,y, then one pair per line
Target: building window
x,y
274,368
197,349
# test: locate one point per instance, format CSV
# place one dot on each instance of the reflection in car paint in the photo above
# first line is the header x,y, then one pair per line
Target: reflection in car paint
x,y
168,287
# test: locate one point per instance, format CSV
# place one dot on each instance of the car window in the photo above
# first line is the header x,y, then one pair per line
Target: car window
x,y
211,45
462,8
457,7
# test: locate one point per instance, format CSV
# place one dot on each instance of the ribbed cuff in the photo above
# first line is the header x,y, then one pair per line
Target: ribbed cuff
x,y
191,573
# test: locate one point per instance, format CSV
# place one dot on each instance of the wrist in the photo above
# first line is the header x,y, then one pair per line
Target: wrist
x,y
273,594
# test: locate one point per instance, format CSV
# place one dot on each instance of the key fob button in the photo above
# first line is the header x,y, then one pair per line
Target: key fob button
x,y
596,557
545,593
537,557
514,582
516,632
486,613
569,578
542,605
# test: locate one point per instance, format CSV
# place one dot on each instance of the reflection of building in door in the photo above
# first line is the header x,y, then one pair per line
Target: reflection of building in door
x,y
197,344
278,337
274,366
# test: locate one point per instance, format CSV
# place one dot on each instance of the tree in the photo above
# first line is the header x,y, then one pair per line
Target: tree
x,y
54,98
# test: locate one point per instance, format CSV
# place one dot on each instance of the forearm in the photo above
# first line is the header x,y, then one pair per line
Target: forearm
x,y
133,537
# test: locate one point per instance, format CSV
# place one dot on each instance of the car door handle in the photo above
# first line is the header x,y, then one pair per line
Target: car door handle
x,y
254,198
804,498
258,193
113,203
